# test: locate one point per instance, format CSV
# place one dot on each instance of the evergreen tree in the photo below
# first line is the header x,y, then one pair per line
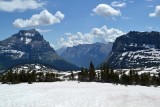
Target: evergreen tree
x,y
72,75
83,75
29,77
154,80
136,79
116,78
15,78
33,76
50,77
145,79
92,73
23,76
98,76
125,79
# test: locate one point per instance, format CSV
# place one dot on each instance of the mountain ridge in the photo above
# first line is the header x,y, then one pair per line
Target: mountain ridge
x,y
83,54
29,46
135,50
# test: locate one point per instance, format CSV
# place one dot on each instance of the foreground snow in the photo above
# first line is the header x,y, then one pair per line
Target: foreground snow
x,y
74,94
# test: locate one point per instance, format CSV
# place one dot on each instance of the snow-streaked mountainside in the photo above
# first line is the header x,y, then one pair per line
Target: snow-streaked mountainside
x,y
74,94
135,50
82,54
34,67
29,46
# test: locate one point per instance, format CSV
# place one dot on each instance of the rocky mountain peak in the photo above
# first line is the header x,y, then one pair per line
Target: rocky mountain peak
x,y
31,32
29,35
29,46
136,49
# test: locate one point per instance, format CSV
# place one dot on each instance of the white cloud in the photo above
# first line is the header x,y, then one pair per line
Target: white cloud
x,y
19,5
156,13
43,31
102,34
106,10
118,4
42,19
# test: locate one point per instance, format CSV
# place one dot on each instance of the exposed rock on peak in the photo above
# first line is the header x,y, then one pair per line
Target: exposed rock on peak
x,y
136,49
29,46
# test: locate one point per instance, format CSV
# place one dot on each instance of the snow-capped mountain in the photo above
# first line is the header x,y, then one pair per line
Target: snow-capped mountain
x,y
29,46
136,50
82,54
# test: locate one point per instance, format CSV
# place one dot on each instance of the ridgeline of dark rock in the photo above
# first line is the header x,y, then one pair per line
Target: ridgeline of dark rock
x,y
81,55
135,50
29,46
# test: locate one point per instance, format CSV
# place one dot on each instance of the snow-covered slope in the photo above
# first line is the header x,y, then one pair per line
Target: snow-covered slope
x,y
74,94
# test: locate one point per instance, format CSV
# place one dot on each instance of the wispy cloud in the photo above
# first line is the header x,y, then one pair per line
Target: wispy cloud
x,y
149,0
20,5
43,31
118,4
42,19
151,28
126,18
150,6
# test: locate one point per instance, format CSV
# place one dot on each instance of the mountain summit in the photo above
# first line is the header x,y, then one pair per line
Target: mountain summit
x,y
136,50
29,46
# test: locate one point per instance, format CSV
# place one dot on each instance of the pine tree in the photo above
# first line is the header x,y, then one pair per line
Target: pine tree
x,y
136,79
98,76
154,80
92,73
72,75
33,76
145,79
125,79
83,75
29,77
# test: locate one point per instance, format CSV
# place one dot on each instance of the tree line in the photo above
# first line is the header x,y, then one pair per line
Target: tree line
x,y
15,77
107,74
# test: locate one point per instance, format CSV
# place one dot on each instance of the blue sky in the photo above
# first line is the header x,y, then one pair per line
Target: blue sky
x,y
73,22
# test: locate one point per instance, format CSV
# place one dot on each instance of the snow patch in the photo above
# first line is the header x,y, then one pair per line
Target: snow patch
x,y
27,40
29,34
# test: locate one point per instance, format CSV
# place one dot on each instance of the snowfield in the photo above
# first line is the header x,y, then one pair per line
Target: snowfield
x,y
74,94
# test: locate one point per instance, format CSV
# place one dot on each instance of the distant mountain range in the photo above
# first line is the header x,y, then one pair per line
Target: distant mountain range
x,y
61,50
132,50
135,50
83,54
29,46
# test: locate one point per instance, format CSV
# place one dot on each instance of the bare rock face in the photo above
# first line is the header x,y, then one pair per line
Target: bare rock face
x,y
29,46
135,50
